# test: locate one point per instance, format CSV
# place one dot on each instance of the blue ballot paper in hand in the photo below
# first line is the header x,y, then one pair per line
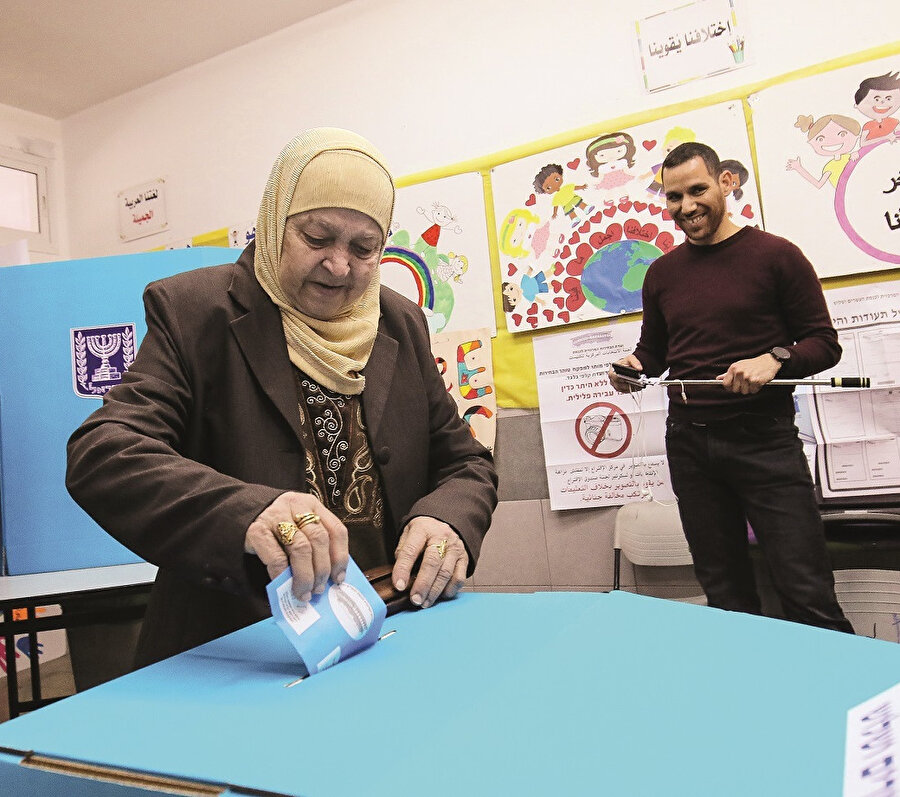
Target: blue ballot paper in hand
x,y
335,625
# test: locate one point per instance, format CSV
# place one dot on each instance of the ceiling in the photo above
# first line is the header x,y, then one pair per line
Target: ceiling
x,y
58,57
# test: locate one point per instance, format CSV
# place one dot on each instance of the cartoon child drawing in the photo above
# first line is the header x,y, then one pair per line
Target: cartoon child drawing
x,y
516,233
609,157
529,290
549,180
833,135
451,267
441,218
877,98
739,178
676,136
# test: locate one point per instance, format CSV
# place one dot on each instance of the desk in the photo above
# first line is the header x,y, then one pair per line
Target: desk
x,y
30,591
490,694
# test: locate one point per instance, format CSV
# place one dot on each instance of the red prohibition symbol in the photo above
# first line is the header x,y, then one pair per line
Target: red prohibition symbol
x,y
603,430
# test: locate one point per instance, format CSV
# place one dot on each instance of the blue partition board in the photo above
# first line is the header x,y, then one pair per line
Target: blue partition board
x,y
493,694
42,527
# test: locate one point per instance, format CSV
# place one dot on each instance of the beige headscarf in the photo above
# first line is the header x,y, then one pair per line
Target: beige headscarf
x,y
325,167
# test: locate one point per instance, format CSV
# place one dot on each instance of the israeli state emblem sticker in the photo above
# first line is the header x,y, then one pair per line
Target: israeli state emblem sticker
x,y
100,356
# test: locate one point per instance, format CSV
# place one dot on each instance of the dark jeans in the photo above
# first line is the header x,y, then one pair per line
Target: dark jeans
x,y
753,468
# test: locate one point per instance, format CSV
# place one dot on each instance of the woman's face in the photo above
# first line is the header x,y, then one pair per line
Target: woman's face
x,y
328,258
833,140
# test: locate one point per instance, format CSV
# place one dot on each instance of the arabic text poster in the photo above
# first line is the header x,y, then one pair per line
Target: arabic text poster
x,y
829,159
437,254
601,447
858,431
578,226
464,360
696,40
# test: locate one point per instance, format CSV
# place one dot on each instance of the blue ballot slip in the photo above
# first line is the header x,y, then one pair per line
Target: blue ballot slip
x,y
333,626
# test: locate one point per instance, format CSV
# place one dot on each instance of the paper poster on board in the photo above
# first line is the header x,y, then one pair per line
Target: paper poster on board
x,y
829,160
601,447
578,226
437,253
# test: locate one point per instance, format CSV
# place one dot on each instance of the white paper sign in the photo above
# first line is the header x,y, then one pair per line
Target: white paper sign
x,y
696,40
142,210
872,754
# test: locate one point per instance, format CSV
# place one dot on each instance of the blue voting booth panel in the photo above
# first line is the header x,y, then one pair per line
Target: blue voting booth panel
x,y
51,319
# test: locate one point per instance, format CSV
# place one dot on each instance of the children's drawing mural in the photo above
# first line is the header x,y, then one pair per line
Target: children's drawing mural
x,y
437,253
829,158
578,227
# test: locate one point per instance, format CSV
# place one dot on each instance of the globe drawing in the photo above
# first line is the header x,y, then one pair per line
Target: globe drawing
x,y
613,275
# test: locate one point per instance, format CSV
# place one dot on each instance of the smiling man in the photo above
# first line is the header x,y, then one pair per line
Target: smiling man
x,y
741,306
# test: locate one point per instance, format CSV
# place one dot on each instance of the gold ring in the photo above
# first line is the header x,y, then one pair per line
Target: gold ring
x,y
287,530
306,518
441,547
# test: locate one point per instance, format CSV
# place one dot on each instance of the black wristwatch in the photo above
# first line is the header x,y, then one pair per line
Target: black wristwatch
x,y
780,353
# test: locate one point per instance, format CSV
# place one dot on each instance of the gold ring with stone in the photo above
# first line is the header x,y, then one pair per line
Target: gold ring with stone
x,y
287,530
441,547
306,518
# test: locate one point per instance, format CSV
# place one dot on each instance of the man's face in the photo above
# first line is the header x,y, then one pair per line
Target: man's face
x,y
328,257
696,200
879,104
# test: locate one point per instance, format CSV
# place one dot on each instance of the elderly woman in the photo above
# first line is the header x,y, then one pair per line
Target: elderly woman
x,y
286,410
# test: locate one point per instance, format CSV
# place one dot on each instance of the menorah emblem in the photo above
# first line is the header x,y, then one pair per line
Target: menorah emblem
x,y
104,347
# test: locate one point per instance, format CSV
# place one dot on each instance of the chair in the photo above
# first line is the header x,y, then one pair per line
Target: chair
x,y
650,533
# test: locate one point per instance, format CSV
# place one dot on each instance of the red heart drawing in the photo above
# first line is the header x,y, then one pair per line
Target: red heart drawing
x,y
533,321
598,216
576,265
574,238
648,145
564,316
533,310
574,164
557,268
517,319
633,230
625,205
585,227
530,201
665,241
747,212
574,297
654,209
566,253
511,269
610,212
639,206
666,216
559,301
556,285
548,314
613,233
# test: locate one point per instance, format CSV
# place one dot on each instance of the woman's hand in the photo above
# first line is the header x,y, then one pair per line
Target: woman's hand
x,y
297,530
444,560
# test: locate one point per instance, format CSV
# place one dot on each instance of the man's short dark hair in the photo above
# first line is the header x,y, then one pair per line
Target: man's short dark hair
x,y
693,149
886,82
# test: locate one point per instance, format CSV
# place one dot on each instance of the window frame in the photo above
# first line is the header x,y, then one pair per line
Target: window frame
x,y
45,239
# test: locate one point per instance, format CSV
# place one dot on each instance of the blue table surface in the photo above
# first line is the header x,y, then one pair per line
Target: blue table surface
x,y
544,693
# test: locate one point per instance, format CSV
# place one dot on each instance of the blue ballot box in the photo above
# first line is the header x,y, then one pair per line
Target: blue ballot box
x,y
489,694
67,332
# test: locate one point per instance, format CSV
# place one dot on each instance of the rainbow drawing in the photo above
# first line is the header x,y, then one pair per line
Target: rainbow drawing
x,y
411,261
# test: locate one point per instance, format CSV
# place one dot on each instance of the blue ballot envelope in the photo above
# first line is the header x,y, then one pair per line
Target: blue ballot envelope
x,y
345,619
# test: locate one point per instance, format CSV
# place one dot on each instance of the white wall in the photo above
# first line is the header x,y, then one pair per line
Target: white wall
x,y
430,83
33,134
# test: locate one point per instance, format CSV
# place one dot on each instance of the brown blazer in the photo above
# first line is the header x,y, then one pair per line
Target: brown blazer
x,y
203,433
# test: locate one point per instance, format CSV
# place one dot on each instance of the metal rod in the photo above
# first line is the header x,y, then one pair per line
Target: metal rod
x,y
855,381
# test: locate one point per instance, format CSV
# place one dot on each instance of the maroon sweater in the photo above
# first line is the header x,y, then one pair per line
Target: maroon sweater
x,y
706,307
